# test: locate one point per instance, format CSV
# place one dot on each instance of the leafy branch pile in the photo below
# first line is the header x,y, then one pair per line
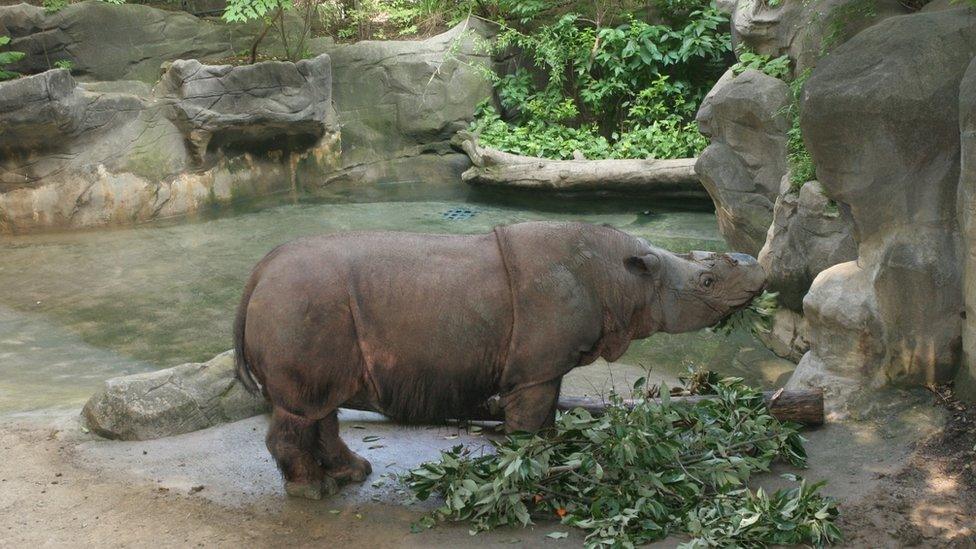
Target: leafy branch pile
x,y
635,476
609,89
757,317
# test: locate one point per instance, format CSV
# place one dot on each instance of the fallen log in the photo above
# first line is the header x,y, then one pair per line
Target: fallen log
x,y
498,168
804,407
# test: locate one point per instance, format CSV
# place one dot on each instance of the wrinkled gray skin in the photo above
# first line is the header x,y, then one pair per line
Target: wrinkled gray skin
x,y
427,327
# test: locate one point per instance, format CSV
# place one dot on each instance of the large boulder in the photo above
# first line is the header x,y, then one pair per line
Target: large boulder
x,y
966,380
56,132
788,335
40,110
880,116
251,104
845,336
745,117
805,31
171,402
400,99
809,233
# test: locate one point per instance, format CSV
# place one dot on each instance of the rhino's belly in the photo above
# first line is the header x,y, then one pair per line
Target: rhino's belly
x,y
434,331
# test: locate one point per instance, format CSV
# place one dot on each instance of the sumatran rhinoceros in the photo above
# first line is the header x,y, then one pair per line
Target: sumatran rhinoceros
x,y
426,327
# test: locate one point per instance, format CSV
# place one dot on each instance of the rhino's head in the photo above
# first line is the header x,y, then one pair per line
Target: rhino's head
x,y
696,290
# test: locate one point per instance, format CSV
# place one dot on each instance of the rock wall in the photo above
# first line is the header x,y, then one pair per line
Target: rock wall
x,y
110,42
73,157
398,100
743,166
105,41
966,380
881,118
399,103
804,30
809,233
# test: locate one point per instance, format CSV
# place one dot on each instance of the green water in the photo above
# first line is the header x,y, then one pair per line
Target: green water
x,y
77,308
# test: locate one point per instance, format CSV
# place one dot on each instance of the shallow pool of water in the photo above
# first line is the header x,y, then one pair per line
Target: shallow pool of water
x,y
77,308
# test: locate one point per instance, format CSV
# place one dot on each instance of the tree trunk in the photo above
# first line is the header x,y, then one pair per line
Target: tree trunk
x,y
499,168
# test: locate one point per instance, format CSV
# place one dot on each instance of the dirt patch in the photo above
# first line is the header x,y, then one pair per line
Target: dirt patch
x,y
902,478
51,496
931,501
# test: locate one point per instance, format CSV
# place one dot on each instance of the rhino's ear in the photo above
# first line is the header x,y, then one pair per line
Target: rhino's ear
x,y
647,264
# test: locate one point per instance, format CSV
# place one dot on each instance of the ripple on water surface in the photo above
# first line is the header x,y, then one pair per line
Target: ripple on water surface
x,y
76,308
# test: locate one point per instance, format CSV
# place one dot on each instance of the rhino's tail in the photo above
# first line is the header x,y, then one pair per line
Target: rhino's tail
x,y
242,370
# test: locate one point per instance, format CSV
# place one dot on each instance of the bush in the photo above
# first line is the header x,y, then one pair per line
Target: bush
x,y
628,90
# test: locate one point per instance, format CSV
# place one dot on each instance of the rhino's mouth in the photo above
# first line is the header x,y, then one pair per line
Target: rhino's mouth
x,y
746,299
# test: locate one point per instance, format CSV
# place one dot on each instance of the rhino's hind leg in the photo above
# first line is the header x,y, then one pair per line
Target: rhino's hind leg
x,y
341,463
532,408
292,441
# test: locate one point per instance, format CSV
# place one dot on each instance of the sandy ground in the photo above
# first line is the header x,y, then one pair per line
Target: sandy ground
x,y
901,479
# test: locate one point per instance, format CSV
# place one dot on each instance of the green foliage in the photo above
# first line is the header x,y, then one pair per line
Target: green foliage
x,y
53,6
64,64
777,67
844,20
631,89
634,476
756,317
241,11
8,58
537,138
386,19
673,9
800,161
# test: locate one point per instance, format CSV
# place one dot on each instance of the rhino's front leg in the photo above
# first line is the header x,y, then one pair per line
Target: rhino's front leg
x,y
532,408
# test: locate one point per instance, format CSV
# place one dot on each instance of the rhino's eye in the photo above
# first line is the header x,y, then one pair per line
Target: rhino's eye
x,y
707,281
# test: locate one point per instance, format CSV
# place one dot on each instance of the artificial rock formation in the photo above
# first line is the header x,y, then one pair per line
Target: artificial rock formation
x,y
73,157
805,31
881,118
966,379
402,101
103,41
809,233
745,117
250,106
171,402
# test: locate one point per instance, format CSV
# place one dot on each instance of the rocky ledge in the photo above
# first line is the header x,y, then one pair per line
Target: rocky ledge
x,y
171,402
78,156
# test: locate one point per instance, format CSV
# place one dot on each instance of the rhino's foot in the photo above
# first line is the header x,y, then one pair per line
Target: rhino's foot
x,y
355,470
312,490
